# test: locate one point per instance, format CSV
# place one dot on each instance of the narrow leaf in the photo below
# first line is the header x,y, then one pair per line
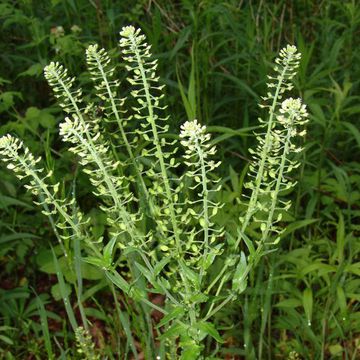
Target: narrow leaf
x,y
174,313
118,280
239,282
308,304
210,329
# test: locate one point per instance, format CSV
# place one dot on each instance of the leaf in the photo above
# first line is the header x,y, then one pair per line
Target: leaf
x,y
189,101
192,86
56,292
191,352
210,329
289,303
198,298
297,225
90,272
95,261
33,70
6,201
150,277
17,236
341,299
47,120
129,250
240,84
210,257
353,268
322,268
125,323
160,265
190,274
7,100
118,280
353,130
174,331
108,250
6,340
182,37
174,313
46,262
336,350
248,243
63,291
44,326
308,304
35,116
234,179
340,238
239,282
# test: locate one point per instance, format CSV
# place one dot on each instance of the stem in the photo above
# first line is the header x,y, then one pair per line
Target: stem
x,y
278,183
249,267
156,142
219,307
222,282
205,206
60,210
160,156
217,278
123,134
89,144
108,182
259,249
263,157
123,323
167,293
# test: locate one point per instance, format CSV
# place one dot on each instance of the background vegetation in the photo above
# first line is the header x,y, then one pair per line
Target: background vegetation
x,y
214,57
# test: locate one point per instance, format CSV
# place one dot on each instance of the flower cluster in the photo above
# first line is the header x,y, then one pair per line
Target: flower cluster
x,y
292,110
18,157
128,31
193,137
194,132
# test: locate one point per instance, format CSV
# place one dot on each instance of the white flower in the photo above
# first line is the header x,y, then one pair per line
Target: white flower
x,y
193,134
290,104
5,141
192,129
292,110
9,145
127,31
290,51
65,127
70,127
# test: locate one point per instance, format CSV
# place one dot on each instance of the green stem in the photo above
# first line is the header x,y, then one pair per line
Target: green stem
x,y
60,210
205,194
159,153
109,183
89,143
251,264
217,278
123,134
222,282
219,307
278,183
259,249
263,157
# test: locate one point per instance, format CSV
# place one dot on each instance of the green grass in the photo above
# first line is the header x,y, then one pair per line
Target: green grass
x,y
214,57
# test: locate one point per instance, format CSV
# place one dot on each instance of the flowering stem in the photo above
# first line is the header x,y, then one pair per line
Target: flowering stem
x,y
205,206
159,153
